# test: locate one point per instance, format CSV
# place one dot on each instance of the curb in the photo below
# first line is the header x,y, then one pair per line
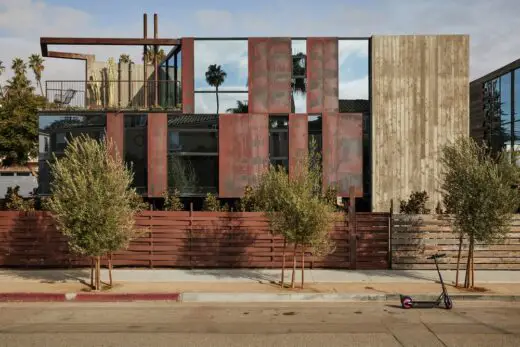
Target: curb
x,y
237,297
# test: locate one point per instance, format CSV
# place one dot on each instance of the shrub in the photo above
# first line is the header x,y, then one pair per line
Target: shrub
x,y
416,204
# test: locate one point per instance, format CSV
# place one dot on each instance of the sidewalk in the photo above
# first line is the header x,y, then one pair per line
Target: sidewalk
x,y
246,285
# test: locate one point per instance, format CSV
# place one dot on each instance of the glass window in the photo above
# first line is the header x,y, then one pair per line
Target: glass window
x,y
170,77
279,141
6,173
23,174
505,110
136,149
221,75
315,132
193,153
299,76
516,117
353,75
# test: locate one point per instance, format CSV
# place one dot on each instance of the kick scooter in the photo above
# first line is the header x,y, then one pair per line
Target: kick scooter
x,y
444,298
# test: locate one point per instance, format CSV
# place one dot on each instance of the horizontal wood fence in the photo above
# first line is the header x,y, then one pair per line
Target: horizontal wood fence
x,y
414,238
196,240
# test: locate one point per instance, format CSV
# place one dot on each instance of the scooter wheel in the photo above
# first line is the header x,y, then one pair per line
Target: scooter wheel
x,y
406,302
448,303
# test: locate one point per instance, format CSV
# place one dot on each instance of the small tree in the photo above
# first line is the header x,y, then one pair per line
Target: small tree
x,y
212,204
479,191
172,202
13,201
92,200
416,204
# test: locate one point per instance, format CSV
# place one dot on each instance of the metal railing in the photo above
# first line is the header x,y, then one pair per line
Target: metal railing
x,y
113,94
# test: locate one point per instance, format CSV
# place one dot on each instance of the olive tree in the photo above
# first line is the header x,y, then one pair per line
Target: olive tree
x,y
92,200
480,192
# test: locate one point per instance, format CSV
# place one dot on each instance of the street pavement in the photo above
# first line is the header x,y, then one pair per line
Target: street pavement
x,y
275,324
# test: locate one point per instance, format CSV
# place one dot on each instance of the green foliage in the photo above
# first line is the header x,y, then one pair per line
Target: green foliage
x,y
92,199
478,190
172,202
247,202
36,65
18,117
181,175
212,204
13,201
416,204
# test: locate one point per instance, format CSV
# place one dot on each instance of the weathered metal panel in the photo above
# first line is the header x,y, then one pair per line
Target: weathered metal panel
x,y
270,69
322,75
280,73
157,156
116,130
298,141
188,75
420,102
243,151
343,152
258,49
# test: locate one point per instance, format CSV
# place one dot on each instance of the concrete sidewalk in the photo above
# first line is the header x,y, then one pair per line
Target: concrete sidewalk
x,y
254,276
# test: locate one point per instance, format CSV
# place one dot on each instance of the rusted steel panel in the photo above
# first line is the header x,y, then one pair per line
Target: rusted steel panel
x,y
343,152
115,131
298,141
270,67
280,73
234,153
322,75
157,156
258,49
188,75
243,151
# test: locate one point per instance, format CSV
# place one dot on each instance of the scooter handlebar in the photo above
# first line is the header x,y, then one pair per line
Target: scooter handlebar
x,y
441,255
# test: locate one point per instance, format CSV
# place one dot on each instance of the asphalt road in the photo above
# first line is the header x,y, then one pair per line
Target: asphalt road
x,y
324,325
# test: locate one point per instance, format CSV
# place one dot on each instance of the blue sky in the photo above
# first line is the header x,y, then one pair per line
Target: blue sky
x,y
491,24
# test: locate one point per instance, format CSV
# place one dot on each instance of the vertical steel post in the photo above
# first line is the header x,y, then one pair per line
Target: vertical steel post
x,y
155,62
145,69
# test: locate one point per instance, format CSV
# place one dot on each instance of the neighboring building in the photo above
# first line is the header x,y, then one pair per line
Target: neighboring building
x,y
21,176
380,109
495,108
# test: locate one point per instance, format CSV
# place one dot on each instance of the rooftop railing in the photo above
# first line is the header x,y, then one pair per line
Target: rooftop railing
x,y
117,94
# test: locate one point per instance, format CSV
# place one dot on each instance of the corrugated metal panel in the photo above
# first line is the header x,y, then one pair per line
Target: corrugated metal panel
x,y
270,69
243,151
187,75
115,130
157,156
343,152
298,141
322,75
420,102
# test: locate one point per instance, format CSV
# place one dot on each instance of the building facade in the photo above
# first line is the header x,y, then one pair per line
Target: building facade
x,y
379,109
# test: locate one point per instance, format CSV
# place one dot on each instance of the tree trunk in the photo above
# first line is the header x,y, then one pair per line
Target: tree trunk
x,y
469,273
283,262
294,266
110,268
92,265
98,272
216,88
473,267
458,260
41,87
303,265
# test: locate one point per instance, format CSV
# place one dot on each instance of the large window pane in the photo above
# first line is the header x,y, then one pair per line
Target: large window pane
x,y
315,132
279,141
193,175
299,76
517,94
136,149
505,109
353,75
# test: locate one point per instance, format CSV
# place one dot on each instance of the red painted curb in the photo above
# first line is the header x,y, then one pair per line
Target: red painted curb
x,y
126,297
31,297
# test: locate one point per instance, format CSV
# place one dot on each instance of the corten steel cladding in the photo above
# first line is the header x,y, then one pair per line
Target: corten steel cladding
x,y
270,70
298,141
157,155
343,152
188,75
193,240
115,131
243,151
322,75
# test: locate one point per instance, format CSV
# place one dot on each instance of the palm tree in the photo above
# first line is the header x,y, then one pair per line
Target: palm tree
x,y
2,70
19,67
125,59
241,107
215,76
298,80
36,64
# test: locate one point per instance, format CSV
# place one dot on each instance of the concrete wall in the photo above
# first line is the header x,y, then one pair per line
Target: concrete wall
x,y
420,102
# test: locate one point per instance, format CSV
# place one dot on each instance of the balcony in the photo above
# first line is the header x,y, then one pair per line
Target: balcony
x,y
116,95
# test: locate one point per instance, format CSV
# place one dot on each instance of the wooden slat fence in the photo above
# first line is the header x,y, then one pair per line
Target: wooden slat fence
x,y
195,240
414,238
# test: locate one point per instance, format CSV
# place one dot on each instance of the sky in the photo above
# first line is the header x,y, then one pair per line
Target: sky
x,y
492,26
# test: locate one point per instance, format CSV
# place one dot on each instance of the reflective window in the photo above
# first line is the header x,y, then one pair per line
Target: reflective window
x,y
136,149
54,134
221,75
170,72
299,76
315,132
517,108
279,141
193,153
353,75
505,110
